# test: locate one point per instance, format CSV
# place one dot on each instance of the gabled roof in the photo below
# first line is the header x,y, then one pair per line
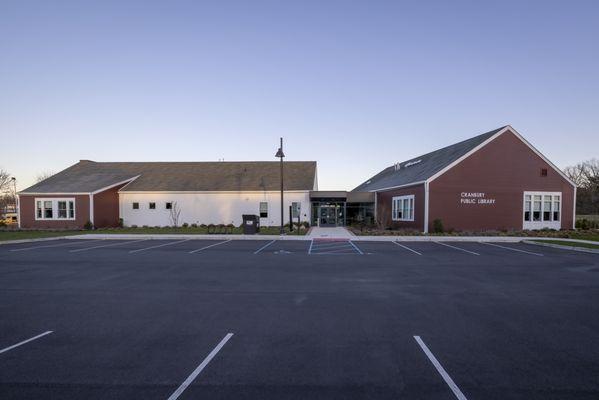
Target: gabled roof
x,y
90,176
419,169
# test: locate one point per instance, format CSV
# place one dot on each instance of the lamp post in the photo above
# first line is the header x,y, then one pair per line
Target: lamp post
x,y
281,155
14,182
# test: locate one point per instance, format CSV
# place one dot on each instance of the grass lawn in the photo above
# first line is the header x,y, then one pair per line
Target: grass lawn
x,y
568,243
18,235
585,235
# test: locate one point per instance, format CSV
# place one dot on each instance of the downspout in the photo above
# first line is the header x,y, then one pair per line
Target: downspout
x,y
376,216
18,206
426,207
574,210
91,208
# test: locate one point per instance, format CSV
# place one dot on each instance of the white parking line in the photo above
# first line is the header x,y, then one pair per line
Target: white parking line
x,y
311,244
454,388
25,341
338,252
330,244
212,245
107,245
200,367
356,247
263,247
407,248
53,245
159,245
510,248
325,246
457,248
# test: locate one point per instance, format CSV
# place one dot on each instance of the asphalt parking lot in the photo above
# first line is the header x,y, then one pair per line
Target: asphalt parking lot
x,y
191,319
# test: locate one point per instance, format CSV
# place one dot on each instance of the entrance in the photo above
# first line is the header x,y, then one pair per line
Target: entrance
x,y
327,215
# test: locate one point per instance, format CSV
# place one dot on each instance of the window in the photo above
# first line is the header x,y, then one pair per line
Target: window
x,y
543,172
542,210
295,210
402,208
263,209
55,209
62,209
536,211
48,211
547,208
152,206
527,205
136,206
169,205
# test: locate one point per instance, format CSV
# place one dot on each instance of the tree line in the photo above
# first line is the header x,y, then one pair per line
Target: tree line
x,y
586,177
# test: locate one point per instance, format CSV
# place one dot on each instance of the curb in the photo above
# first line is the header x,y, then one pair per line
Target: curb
x,y
33,240
558,246
500,239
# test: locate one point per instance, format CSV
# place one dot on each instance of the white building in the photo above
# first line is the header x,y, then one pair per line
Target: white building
x,y
151,193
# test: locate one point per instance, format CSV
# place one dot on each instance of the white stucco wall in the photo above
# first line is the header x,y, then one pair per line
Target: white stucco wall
x,y
209,208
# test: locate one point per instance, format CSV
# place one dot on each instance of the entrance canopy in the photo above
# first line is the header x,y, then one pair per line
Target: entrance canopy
x,y
341,208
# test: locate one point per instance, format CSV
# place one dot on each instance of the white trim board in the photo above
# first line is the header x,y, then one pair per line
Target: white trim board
x,y
209,191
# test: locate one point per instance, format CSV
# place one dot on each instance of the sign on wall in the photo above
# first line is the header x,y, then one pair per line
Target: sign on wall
x,y
473,198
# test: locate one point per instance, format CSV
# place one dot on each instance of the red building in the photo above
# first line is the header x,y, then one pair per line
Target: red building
x,y
493,181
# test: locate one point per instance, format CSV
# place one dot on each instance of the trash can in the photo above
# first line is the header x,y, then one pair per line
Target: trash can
x,y
251,224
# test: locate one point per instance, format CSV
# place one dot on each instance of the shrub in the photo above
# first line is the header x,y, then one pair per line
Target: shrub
x,y
438,226
88,226
203,226
194,225
134,226
185,225
121,223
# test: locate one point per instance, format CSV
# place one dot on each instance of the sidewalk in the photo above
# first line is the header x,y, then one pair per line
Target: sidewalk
x,y
338,232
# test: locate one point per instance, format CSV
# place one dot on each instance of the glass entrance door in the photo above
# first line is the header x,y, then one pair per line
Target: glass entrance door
x,y
328,215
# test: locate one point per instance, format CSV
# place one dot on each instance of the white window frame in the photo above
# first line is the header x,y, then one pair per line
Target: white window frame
x,y
54,201
265,203
397,203
296,208
542,223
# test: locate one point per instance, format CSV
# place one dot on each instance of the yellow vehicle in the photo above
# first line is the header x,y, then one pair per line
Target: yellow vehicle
x,y
9,218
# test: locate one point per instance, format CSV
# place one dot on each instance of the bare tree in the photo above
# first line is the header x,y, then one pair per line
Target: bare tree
x,y
575,173
43,176
586,176
175,213
584,173
5,182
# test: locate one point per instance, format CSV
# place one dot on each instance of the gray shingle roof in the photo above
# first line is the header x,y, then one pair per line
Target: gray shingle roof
x,y
89,176
419,169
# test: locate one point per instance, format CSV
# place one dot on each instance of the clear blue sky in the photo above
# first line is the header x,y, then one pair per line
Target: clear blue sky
x,y
355,86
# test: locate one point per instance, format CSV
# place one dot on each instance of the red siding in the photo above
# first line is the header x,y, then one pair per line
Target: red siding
x,y
383,201
503,170
106,211
27,209
106,208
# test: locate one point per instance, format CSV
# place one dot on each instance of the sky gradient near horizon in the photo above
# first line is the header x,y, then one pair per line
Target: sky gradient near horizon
x,y
356,86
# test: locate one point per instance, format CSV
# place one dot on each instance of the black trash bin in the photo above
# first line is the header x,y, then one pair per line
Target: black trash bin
x,y
251,224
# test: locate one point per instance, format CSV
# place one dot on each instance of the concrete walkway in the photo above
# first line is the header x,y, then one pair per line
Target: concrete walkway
x,y
337,232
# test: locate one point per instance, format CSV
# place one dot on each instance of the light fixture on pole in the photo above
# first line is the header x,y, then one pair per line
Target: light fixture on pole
x,y
281,155
14,181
